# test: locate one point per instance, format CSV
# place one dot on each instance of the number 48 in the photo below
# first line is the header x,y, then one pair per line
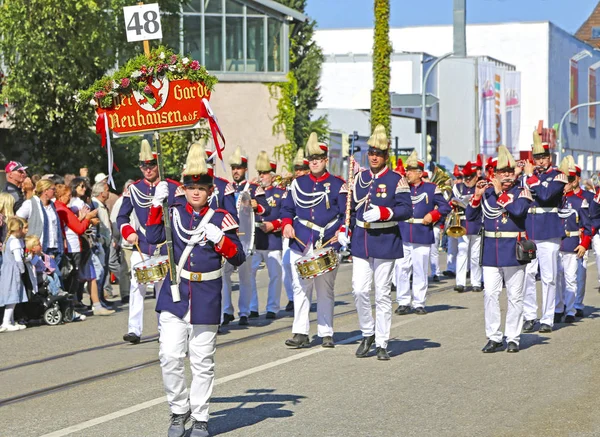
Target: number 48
x,y
150,26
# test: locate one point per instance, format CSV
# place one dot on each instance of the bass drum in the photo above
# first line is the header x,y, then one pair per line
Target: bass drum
x,y
246,221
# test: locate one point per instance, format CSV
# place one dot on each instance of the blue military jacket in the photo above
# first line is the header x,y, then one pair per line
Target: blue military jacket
x,y
223,196
256,192
138,198
463,194
387,190
547,189
319,201
426,198
504,213
576,224
270,240
202,299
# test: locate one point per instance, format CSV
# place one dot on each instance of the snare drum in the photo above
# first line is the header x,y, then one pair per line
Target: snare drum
x,y
320,262
152,270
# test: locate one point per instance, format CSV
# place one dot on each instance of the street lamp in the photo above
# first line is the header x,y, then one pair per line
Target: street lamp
x,y
423,104
562,120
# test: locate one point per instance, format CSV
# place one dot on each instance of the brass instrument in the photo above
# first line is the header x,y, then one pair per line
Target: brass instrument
x,y
440,177
283,181
454,229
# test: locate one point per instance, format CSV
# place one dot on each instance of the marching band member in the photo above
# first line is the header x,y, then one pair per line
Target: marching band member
x,y
544,228
268,238
300,169
504,207
468,244
576,239
429,206
223,192
138,199
380,199
452,249
312,214
239,167
202,239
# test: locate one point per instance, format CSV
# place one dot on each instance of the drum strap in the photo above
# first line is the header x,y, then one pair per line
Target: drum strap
x,y
320,229
195,239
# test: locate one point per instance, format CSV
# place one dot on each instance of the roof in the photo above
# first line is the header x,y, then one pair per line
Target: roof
x,y
293,14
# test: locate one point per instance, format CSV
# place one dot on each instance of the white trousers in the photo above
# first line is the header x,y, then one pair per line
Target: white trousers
x,y
547,259
287,267
178,336
415,260
596,247
566,283
303,289
272,259
514,280
245,290
364,273
137,294
581,281
434,257
468,256
452,252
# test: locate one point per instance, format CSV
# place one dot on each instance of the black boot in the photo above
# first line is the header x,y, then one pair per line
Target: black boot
x,y
365,346
298,341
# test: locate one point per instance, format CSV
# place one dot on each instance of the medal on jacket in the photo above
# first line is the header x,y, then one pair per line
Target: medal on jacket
x,y
381,191
327,191
504,219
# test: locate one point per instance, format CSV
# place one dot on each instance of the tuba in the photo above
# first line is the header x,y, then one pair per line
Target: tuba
x,y
440,177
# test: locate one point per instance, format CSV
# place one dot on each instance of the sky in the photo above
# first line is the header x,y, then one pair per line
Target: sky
x,y
336,14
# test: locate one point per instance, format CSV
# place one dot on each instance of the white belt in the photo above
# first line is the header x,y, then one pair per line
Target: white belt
x,y
572,233
320,229
502,234
414,221
541,210
199,277
376,225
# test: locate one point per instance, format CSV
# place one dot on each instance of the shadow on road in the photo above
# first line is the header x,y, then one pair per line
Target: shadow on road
x,y
269,405
399,347
436,308
529,340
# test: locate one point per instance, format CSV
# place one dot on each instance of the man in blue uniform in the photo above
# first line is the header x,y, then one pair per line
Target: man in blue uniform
x,y
544,227
467,257
452,242
202,239
267,239
137,200
223,196
429,206
380,199
239,168
576,239
312,214
503,206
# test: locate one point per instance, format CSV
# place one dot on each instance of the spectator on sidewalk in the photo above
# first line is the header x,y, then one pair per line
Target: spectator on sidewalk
x,y
99,197
15,175
7,203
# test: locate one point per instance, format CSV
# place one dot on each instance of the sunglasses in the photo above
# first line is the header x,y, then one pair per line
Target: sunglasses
x,y
379,153
261,173
148,166
315,158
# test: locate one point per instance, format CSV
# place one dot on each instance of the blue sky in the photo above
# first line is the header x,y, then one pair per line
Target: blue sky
x,y
567,14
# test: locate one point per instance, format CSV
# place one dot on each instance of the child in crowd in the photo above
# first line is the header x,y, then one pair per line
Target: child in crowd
x,y
12,289
44,265
7,203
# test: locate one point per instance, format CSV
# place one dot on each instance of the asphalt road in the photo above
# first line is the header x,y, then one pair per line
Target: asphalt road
x,y
438,383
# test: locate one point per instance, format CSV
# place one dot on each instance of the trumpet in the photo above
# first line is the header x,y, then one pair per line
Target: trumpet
x,y
483,184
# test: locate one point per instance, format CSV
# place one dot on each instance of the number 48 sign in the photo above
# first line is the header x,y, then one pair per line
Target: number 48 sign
x,y
142,22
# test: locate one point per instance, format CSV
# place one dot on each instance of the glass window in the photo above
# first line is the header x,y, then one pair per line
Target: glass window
x,y
234,37
213,44
255,45
192,34
275,45
252,11
233,7
192,6
595,32
213,6
170,25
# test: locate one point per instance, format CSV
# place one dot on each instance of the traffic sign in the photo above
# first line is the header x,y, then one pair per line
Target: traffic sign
x,y
142,22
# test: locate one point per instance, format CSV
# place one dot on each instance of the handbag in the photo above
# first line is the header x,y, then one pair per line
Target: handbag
x,y
526,250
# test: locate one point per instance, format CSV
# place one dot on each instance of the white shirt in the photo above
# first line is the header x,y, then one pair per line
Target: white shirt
x,y
53,223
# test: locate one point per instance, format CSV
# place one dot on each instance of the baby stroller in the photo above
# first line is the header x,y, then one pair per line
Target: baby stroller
x,y
43,305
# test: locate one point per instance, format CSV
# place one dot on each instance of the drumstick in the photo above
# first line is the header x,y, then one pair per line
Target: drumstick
x,y
139,250
299,241
329,241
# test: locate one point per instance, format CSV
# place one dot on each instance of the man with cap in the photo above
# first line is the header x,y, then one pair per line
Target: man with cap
x,y
469,244
267,239
312,215
545,229
239,169
15,175
452,242
203,238
380,198
577,237
503,206
223,192
300,169
138,199
429,206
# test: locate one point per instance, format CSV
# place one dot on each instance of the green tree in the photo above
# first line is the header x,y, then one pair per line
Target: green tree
x,y
382,49
52,49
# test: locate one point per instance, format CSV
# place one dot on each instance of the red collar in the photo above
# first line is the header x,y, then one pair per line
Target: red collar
x,y
151,184
189,209
380,174
418,185
576,192
321,179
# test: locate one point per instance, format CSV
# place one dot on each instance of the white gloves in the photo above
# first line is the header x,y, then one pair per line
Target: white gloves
x,y
372,215
344,239
161,193
213,233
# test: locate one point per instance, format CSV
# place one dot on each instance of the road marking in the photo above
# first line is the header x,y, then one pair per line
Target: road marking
x,y
149,404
